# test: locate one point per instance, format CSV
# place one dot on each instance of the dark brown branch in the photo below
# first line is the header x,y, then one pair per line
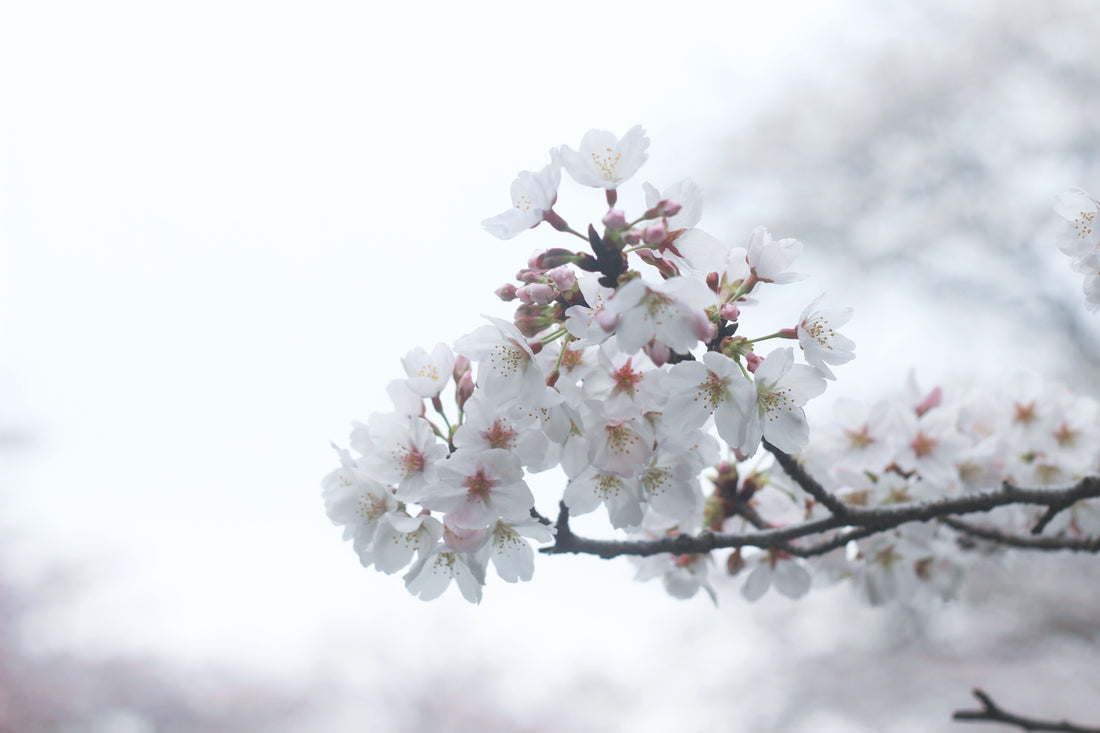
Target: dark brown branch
x,y
993,713
1048,515
807,482
1072,544
864,521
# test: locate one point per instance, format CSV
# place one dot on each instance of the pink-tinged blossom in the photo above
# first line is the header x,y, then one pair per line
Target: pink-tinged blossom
x,y
690,248
399,452
479,488
406,403
821,344
670,483
1081,239
887,571
776,570
494,423
356,502
605,161
931,445
462,539
683,576
429,577
768,259
428,373
621,495
670,312
627,385
698,389
533,196
683,192
863,438
510,552
773,409
1079,209
582,321
399,536
506,364
615,444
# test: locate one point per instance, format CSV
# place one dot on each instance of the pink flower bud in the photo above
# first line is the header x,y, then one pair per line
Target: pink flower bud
x,y
543,260
607,320
701,326
729,311
535,345
506,292
788,333
462,365
657,352
460,538
563,278
614,219
664,208
932,399
752,361
712,282
668,207
536,294
632,237
655,233
465,388
529,276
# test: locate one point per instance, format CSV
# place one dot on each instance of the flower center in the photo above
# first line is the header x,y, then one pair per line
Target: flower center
x,y
478,486
500,435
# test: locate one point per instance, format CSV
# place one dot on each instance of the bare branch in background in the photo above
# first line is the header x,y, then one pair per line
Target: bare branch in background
x,y
993,713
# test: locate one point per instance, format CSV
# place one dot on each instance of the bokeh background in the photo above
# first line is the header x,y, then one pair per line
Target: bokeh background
x,y
223,223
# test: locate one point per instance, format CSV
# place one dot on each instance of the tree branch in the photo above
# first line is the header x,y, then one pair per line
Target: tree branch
x,y
862,521
993,713
1072,544
807,482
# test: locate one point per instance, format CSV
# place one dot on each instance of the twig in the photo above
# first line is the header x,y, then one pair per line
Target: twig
x,y
810,485
991,712
1072,544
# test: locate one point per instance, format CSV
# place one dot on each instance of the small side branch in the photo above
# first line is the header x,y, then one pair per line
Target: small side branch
x,y
1054,544
807,482
993,713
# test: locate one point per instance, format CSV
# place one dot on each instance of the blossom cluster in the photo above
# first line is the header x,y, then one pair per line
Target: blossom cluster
x,y
625,364
629,365
922,445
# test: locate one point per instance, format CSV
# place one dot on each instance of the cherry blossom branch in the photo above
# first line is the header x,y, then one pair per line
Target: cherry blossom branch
x,y
1072,544
991,712
862,521
807,482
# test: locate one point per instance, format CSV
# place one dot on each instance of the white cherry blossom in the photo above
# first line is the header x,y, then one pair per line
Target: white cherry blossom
x,y
481,487
510,553
768,259
774,408
433,573
605,161
670,312
506,364
429,373
821,344
533,195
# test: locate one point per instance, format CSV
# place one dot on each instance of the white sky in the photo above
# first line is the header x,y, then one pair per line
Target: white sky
x,y
223,223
